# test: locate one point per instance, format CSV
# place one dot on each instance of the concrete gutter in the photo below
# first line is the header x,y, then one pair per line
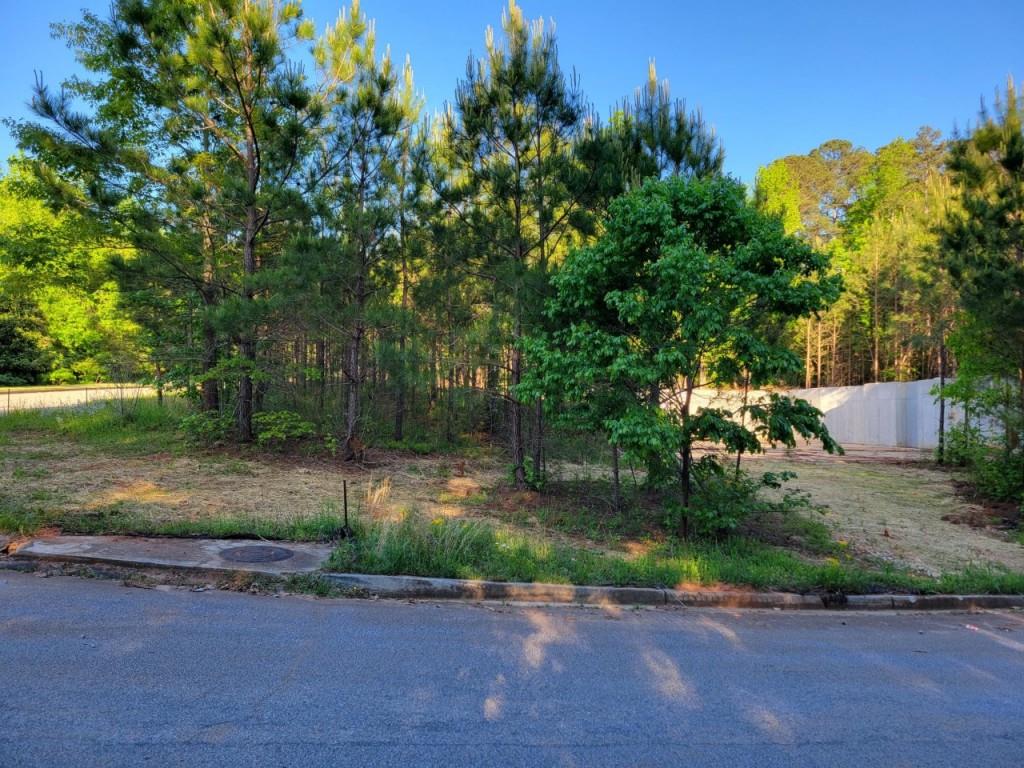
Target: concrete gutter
x,y
209,555
418,587
466,589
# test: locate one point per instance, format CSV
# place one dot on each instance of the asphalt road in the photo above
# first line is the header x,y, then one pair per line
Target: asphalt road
x,y
96,674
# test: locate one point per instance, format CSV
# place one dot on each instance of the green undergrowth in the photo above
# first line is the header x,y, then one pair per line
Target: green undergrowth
x,y
139,427
476,550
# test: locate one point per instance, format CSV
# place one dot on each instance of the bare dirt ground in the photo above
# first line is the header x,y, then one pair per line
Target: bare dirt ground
x,y
891,505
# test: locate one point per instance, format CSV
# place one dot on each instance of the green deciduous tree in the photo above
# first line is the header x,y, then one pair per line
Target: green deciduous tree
x,y
688,286
58,290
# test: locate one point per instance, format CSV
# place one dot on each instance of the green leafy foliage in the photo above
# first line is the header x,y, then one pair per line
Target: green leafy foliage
x,y
689,286
995,471
206,428
275,429
981,249
21,359
61,313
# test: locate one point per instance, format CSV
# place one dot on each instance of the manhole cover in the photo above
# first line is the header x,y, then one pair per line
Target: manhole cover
x,y
256,554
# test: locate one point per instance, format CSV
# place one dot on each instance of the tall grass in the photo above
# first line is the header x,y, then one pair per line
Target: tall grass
x,y
475,550
144,426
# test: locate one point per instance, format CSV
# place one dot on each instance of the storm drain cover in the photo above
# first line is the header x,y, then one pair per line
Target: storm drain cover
x,y
258,553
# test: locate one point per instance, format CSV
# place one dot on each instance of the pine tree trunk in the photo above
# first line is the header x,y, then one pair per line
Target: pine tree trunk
x,y
449,411
400,392
321,366
942,400
833,376
350,448
516,417
616,484
875,356
818,364
210,386
400,382
247,342
538,441
492,399
433,372
807,355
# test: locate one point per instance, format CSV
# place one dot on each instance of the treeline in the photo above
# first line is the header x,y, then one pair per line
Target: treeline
x,y
309,240
61,314
879,215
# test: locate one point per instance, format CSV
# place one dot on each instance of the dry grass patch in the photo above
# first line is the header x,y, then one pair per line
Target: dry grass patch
x,y
898,511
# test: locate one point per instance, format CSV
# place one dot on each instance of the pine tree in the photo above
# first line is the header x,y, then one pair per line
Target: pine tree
x,y
983,248
132,167
513,181
361,199
258,110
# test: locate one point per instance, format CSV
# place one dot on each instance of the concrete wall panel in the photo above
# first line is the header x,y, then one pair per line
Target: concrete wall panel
x,y
894,414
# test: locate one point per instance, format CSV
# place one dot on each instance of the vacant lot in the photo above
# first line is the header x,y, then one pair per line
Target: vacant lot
x,y
891,508
86,480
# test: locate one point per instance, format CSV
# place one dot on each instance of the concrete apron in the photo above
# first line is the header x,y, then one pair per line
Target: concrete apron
x,y
221,555
195,554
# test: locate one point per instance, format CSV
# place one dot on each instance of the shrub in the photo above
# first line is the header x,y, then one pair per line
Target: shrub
x,y
724,498
206,428
995,469
275,429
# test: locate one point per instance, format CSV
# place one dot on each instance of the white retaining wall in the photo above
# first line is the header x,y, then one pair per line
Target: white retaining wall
x,y
894,414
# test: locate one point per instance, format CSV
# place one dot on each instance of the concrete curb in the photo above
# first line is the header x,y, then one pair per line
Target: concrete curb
x,y
933,602
82,550
465,589
419,587
17,565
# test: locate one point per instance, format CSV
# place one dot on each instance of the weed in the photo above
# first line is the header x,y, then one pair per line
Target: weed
x,y
21,473
312,584
473,549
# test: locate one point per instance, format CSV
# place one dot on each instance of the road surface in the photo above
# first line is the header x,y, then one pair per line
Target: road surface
x,y
33,398
93,673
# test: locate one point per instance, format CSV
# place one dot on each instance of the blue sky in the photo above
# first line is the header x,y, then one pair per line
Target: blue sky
x,y
775,78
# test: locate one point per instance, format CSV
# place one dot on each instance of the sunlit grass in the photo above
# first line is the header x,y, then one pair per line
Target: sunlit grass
x,y
140,426
476,550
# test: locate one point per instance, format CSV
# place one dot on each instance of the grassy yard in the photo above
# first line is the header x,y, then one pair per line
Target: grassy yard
x,y
92,471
